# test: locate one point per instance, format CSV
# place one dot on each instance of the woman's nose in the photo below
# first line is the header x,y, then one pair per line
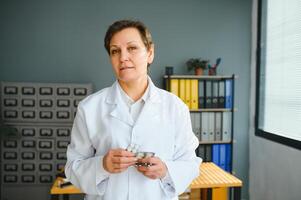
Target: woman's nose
x,y
124,55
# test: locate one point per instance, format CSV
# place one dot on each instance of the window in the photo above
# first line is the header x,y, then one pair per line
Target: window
x,y
278,84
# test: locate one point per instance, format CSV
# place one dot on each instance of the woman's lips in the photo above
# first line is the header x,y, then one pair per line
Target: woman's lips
x,y
125,68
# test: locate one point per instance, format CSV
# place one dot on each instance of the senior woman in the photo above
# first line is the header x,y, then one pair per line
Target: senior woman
x,y
116,123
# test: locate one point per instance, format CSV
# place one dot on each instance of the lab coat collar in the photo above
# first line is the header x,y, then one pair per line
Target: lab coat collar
x,y
114,93
154,96
150,109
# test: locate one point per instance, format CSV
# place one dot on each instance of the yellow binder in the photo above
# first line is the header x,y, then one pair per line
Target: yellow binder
x,y
194,96
174,86
182,89
187,93
217,194
220,193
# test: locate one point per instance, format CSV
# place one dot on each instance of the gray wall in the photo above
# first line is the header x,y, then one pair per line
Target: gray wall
x,y
62,41
275,172
274,168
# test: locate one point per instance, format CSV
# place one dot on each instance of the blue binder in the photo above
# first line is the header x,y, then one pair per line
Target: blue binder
x,y
222,156
215,154
228,94
228,158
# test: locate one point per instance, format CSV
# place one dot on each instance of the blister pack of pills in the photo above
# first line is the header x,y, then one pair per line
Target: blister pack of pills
x,y
134,148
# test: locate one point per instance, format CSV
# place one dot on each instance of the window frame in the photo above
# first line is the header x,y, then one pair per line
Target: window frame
x,y
259,132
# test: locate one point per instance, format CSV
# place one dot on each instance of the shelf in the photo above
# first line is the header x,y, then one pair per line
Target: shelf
x,y
199,77
212,110
215,142
210,118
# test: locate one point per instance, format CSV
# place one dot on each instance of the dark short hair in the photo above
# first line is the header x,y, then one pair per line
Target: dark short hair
x,y
123,24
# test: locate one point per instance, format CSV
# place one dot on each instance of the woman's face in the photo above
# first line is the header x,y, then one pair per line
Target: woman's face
x,y
129,56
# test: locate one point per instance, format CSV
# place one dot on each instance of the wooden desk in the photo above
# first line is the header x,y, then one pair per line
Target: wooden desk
x,y
211,177
55,190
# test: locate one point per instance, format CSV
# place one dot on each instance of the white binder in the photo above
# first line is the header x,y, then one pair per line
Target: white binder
x,y
218,126
211,126
204,118
197,120
226,134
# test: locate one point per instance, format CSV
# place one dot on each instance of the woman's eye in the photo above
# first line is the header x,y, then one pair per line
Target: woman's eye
x,y
132,48
114,51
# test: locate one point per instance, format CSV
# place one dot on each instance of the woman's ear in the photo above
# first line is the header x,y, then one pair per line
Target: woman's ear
x,y
151,54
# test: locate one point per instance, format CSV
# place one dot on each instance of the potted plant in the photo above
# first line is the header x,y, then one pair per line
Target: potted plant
x,y
198,65
213,69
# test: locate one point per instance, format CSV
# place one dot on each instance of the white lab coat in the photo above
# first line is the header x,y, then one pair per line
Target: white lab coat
x,y
103,123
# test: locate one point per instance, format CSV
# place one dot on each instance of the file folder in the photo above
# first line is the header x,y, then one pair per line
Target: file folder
x,y
228,158
201,152
208,153
211,126
221,94
187,93
166,84
218,126
208,94
194,94
201,94
228,94
215,154
182,89
214,103
220,193
174,86
197,121
204,126
192,118
222,156
226,128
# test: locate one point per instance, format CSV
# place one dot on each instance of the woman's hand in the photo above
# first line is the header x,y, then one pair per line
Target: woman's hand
x,y
118,160
156,169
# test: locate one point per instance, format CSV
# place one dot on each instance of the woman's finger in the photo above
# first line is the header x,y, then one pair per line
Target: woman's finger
x,y
151,175
122,153
117,159
122,165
